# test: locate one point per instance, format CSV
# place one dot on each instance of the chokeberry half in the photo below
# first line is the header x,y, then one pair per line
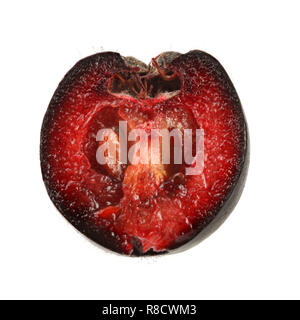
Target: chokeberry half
x,y
135,207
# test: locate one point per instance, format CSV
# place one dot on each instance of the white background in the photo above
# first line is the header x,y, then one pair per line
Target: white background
x,y
255,253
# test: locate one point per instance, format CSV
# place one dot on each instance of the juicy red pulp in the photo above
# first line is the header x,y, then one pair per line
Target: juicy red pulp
x,y
139,209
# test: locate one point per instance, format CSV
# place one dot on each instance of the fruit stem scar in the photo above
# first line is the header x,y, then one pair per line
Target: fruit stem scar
x,y
163,71
140,82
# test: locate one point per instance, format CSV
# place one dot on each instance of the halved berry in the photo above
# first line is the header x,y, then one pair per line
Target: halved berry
x,y
136,207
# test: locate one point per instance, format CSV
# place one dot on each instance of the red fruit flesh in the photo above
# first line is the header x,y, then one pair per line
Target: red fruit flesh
x,y
144,208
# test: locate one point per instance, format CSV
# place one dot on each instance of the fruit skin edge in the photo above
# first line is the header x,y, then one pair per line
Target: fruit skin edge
x,y
227,207
235,195
209,227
